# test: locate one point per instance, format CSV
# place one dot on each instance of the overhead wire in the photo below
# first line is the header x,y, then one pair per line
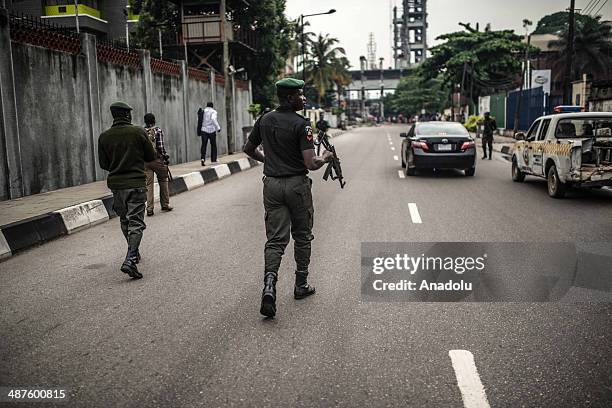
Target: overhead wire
x,y
590,6
602,6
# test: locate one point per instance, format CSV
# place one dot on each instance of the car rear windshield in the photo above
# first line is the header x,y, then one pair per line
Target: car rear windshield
x,y
584,127
441,129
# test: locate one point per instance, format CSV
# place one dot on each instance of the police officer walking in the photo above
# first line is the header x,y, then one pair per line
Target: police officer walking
x,y
489,126
287,139
122,151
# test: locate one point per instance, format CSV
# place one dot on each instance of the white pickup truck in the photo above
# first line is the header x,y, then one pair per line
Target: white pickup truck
x,y
568,149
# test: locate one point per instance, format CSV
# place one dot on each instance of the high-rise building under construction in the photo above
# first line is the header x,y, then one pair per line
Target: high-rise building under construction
x,y
410,33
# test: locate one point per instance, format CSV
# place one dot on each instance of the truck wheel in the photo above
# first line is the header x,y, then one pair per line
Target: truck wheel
x,y
517,174
556,188
470,172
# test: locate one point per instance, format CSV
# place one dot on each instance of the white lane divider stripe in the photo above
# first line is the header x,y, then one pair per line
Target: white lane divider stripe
x,y
392,148
395,158
401,174
414,213
472,391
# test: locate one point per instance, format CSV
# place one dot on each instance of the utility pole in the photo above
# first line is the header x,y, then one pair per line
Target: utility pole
x,y
569,66
362,60
76,14
161,50
382,89
227,88
517,110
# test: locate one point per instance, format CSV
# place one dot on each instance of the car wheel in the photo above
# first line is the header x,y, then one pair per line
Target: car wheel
x,y
556,188
470,172
517,174
403,162
410,171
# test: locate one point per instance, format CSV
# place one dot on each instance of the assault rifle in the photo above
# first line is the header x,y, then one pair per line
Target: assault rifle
x,y
333,167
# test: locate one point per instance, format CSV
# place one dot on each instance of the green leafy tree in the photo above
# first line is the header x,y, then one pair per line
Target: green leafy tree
x,y
491,59
415,93
592,49
558,22
326,65
154,15
274,34
266,18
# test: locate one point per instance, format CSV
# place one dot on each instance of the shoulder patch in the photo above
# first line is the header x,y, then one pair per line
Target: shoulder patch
x,y
309,133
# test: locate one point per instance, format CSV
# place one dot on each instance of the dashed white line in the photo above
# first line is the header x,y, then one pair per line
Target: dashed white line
x,y
392,148
472,391
414,213
396,158
401,174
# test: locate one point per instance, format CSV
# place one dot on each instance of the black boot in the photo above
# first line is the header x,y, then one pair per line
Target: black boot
x,y
302,289
268,297
129,265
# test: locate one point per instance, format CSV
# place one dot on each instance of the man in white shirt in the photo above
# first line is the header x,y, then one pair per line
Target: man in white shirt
x,y
207,129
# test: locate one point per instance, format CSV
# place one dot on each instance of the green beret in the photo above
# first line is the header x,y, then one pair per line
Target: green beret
x,y
121,105
290,83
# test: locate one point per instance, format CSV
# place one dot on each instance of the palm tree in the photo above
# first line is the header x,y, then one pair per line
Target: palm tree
x,y
295,49
592,48
326,65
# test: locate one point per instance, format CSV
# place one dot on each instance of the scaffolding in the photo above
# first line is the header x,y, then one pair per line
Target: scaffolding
x,y
410,33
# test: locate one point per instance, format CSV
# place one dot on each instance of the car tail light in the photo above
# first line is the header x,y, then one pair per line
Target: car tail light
x,y
468,145
420,145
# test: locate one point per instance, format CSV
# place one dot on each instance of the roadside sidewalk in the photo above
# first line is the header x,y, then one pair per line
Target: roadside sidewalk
x,y
36,219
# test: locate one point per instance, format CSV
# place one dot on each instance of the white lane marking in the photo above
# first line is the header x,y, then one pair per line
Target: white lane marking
x,y
395,158
472,391
392,148
401,174
414,213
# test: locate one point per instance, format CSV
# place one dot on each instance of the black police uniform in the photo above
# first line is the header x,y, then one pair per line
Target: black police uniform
x,y
287,193
287,188
489,126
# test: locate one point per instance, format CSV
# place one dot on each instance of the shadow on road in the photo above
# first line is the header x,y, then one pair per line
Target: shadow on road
x,y
587,195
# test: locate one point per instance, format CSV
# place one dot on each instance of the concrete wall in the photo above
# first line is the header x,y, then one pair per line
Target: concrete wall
x,y
62,104
50,99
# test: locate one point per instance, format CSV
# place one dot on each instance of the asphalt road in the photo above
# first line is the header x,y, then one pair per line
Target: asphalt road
x,y
190,333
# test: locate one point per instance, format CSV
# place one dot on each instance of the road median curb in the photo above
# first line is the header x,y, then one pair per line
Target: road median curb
x,y
34,231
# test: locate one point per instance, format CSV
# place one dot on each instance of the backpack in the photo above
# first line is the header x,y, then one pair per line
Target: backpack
x,y
151,136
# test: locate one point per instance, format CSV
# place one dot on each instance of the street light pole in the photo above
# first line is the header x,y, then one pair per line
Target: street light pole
x,y
332,11
569,71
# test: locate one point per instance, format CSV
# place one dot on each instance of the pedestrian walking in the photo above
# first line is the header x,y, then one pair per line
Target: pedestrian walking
x,y
122,151
288,143
158,167
322,124
207,129
489,126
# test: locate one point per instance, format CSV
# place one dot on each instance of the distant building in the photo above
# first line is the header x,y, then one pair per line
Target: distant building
x,y
410,33
107,19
